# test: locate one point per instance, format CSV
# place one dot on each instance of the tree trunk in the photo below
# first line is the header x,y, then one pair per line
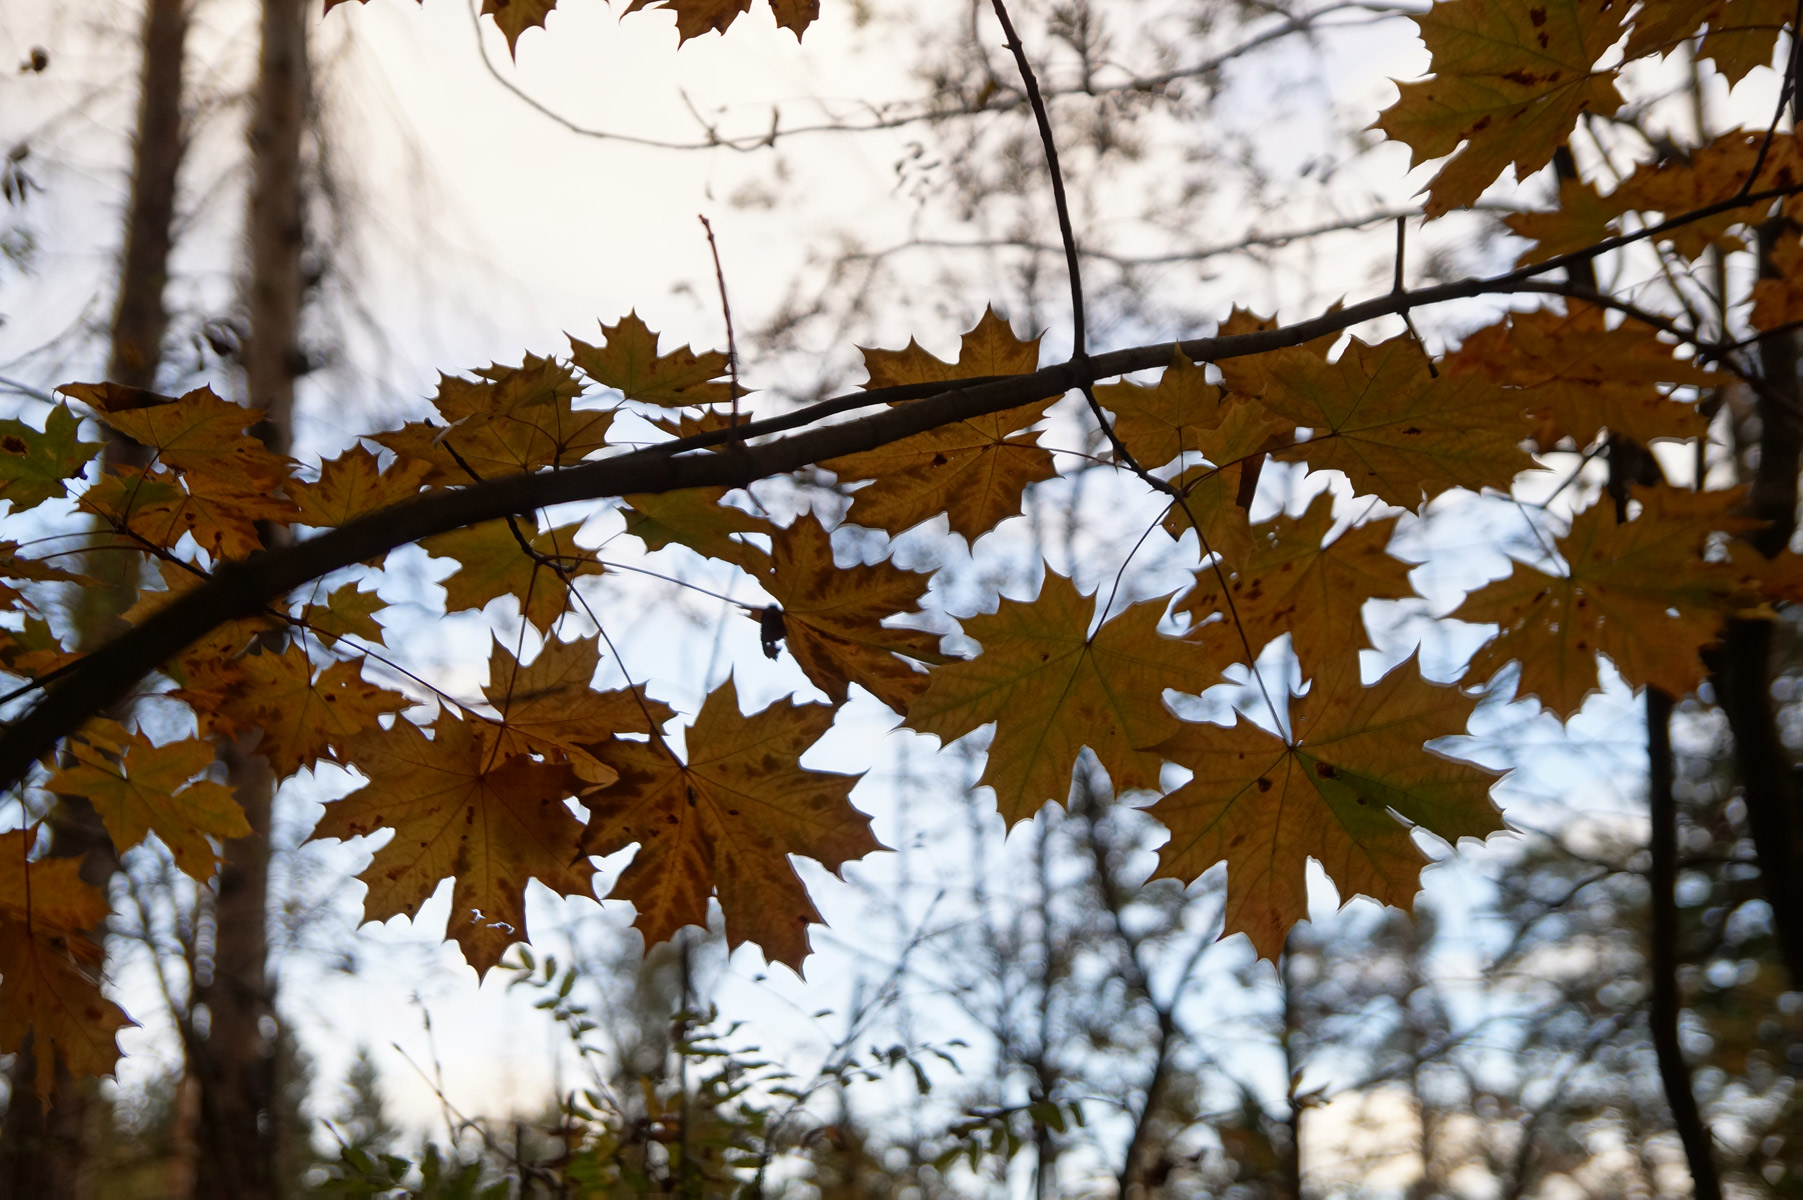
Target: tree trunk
x,y
41,1152
239,1138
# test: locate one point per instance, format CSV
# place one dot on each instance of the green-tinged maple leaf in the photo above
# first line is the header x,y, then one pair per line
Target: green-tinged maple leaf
x,y
306,718
1291,582
711,420
1742,34
1218,497
1345,789
1052,688
973,471
832,617
1640,591
345,611
725,822
1583,218
458,810
1395,429
1510,78
552,706
36,465
692,517
628,361
1158,423
1579,377
492,564
155,789
509,421
1712,174
352,485
33,650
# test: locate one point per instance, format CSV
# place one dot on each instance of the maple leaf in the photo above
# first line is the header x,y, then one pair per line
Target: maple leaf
x,y
510,421
14,566
457,810
1640,591
1742,33
1582,218
832,617
1291,582
1712,174
696,17
973,471
725,822
1052,688
1158,423
514,17
219,512
1510,80
345,611
305,719
49,895
36,465
1217,497
200,434
628,361
154,789
352,484
693,517
491,564
1581,377
33,650
1778,300
553,706
1346,788
1382,417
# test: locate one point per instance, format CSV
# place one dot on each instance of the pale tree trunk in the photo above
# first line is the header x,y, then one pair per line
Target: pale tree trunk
x,y
41,1152
238,1138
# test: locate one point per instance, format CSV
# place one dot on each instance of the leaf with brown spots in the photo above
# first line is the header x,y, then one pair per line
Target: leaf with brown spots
x,y
37,464
1510,79
459,810
1345,788
725,823
1292,582
1714,173
1218,497
1641,592
1052,688
973,471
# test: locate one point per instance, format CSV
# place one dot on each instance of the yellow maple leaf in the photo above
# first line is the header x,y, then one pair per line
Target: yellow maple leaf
x,y
552,706
1579,377
1712,174
1741,33
345,611
200,434
1291,582
692,517
1053,688
1510,78
973,471
1218,497
1582,218
1393,427
832,617
1640,591
458,810
1346,789
725,822
155,789
492,564
352,485
628,361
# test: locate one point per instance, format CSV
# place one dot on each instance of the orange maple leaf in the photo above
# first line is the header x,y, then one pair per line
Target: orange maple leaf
x,y
832,617
628,361
725,823
1052,688
1160,422
552,706
306,718
1345,788
460,810
352,485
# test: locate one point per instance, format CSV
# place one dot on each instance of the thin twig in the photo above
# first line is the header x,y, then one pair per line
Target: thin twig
x,y
732,345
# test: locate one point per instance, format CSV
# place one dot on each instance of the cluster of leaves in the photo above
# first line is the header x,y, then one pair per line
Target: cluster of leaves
x,y
478,789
